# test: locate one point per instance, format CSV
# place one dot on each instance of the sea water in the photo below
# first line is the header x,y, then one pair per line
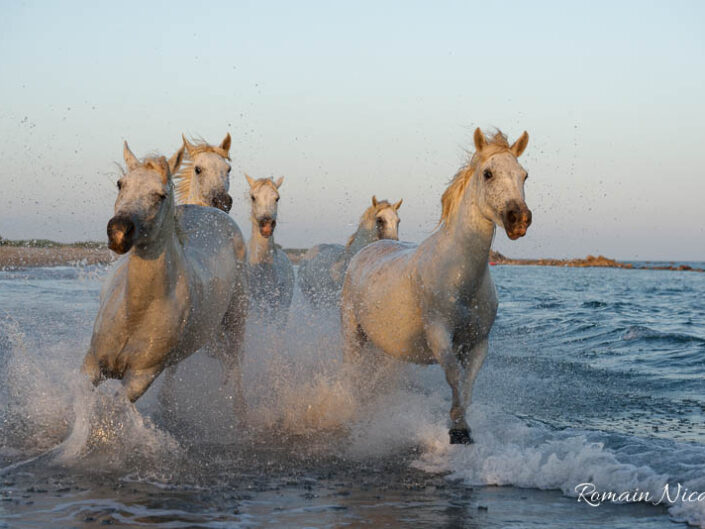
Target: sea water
x,y
594,379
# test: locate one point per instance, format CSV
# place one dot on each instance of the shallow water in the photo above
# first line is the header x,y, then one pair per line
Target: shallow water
x,y
593,375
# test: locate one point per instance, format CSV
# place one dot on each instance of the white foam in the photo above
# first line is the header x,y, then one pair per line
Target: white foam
x,y
509,452
109,429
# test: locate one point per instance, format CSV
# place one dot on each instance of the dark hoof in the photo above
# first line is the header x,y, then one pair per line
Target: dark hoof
x,y
460,437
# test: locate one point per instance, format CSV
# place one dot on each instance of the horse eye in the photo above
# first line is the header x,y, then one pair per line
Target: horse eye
x,y
229,169
119,184
252,197
487,174
526,176
197,169
380,221
277,199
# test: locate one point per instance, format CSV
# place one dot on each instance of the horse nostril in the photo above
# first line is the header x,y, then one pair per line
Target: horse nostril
x,y
512,216
222,201
528,217
120,234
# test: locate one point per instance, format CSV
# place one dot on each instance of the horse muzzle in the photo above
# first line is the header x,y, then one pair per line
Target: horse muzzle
x,y
222,201
121,234
516,220
266,227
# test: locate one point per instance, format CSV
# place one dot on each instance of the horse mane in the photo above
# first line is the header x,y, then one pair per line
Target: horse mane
x,y
185,173
454,192
368,216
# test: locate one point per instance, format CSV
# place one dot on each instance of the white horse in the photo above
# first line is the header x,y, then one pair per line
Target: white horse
x,y
204,178
180,285
323,267
271,276
436,302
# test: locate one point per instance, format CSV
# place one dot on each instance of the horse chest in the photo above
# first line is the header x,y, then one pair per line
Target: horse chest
x,y
474,316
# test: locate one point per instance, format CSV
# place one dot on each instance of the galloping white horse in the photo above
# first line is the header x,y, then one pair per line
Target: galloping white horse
x,y
204,178
323,267
271,276
436,302
180,285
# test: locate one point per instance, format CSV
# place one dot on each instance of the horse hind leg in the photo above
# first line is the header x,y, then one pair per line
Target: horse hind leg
x,y
354,338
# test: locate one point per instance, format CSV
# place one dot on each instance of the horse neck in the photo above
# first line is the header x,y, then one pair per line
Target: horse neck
x,y
153,269
260,249
362,237
462,247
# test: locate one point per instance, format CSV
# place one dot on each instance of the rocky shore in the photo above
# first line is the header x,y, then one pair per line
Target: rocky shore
x,y
599,261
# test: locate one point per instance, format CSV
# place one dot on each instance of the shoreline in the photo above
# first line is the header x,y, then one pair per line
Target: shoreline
x,y
28,254
591,261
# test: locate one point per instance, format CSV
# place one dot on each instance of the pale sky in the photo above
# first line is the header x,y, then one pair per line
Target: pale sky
x,y
352,99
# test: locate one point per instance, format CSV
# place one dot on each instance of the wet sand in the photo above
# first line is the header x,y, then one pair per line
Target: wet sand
x,y
21,257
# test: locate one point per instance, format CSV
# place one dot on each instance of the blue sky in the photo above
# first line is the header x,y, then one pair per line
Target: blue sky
x,y
353,99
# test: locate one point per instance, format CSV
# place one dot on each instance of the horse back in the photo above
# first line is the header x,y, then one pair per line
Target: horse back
x,y
380,288
318,275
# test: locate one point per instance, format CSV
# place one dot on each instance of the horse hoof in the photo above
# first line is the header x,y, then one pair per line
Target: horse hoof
x,y
460,437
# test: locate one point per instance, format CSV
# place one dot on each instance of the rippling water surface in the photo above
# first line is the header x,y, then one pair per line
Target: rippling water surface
x,y
594,375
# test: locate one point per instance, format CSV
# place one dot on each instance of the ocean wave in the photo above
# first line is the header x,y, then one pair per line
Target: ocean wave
x,y
641,332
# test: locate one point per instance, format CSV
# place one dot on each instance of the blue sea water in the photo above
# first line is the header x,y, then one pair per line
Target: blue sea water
x,y
593,376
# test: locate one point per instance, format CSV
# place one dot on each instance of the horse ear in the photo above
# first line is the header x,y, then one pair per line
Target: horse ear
x,y
480,141
520,144
189,147
164,169
279,182
175,160
374,200
130,159
250,180
225,144
398,204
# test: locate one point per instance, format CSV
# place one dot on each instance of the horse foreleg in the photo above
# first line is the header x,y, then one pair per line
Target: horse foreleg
x,y
232,375
91,369
136,382
230,350
167,393
473,363
440,341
